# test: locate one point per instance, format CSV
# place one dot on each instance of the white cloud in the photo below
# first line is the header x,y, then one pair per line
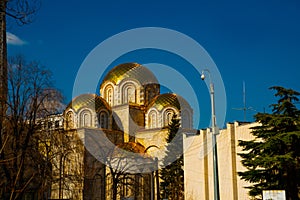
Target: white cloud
x,y
14,40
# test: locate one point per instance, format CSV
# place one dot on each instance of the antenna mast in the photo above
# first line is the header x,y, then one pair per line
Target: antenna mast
x,y
244,100
244,108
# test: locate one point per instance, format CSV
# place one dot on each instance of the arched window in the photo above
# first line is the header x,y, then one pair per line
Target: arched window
x,y
70,120
86,119
129,94
103,120
152,120
109,94
168,114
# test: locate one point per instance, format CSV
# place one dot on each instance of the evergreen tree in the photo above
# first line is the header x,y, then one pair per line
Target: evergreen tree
x,y
272,159
172,184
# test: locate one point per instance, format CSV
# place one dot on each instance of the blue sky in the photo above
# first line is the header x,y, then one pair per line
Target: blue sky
x,y
253,41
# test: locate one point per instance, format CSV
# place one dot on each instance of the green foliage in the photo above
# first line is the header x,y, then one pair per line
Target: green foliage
x,y
272,159
172,184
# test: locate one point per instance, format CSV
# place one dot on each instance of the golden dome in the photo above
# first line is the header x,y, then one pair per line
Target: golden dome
x,y
169,99
91,101
130,70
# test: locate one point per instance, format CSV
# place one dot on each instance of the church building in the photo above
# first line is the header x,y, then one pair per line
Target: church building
x,y
130,113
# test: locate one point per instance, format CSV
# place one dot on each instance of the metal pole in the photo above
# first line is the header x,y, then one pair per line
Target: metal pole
x,y
215,132
214,143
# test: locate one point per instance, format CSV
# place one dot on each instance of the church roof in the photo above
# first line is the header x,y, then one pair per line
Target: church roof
x,y
168,100
130,70
91,101
133,147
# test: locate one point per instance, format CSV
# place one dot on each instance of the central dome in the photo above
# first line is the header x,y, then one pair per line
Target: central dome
x,y
132,71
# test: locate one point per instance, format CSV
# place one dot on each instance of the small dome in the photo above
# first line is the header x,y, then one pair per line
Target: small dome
x,y
91,101
130,70
165,100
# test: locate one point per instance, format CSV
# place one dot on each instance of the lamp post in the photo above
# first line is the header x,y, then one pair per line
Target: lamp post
x,y
215,132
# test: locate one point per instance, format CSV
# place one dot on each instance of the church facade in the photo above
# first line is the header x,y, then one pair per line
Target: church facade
x,y
130,113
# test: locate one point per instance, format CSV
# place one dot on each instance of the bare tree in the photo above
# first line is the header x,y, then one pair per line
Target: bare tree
x,y
23,12
118,164
125,167
29,98
129,171
63,150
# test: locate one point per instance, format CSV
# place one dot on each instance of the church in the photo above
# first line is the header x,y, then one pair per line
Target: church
x,y
130,115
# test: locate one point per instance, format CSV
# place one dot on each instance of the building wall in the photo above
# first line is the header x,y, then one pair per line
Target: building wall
x,y
198,163
242,133
121,116
154,140
195,167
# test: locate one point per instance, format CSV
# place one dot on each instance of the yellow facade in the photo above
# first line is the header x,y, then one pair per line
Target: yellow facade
x,y
198,163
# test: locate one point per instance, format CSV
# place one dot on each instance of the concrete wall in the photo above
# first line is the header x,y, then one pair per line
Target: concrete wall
x,y
198,163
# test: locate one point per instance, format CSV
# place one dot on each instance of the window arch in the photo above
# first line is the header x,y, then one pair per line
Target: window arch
x,y
129,94
103,119
86,119
109,94
152,119
168,114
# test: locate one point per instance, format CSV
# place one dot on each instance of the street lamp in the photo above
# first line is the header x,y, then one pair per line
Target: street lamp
x,y
215,132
